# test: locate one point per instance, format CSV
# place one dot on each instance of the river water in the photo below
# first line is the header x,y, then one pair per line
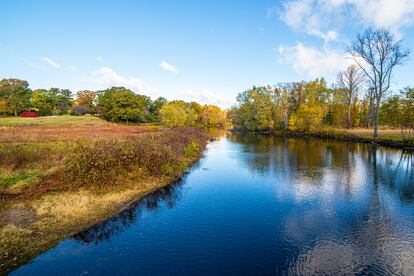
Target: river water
x,y
259,205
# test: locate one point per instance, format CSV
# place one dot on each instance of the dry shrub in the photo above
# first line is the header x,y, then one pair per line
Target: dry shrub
x,y
18,156
163,153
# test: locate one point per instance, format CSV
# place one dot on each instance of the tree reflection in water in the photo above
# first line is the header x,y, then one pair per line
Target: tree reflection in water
x,y
309,162
168,195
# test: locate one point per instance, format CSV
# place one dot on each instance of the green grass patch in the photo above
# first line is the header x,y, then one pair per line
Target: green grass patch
x,y
21,179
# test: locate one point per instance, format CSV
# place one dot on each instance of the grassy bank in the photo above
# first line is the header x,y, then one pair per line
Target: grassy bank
x,y
386,137
57,184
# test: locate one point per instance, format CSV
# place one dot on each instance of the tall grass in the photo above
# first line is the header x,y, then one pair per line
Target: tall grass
x,y
164,153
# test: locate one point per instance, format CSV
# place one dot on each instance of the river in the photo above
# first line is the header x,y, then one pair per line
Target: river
x,y
256,204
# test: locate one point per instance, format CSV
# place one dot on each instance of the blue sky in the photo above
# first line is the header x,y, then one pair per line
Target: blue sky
x,y
206,51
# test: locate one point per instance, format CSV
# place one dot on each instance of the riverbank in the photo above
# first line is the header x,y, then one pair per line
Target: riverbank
x,y
388,138
53,186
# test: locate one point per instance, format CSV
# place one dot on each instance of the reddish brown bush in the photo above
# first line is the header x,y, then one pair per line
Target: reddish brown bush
x,y
162,153
29,114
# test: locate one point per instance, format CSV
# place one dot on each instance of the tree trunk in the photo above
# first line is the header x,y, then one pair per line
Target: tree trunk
x,y
349,116
376,119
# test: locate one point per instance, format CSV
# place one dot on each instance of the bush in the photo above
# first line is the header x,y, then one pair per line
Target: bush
x,y
18,156
81,110
157,154
29,114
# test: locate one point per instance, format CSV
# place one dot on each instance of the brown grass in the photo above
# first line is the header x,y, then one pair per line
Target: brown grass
x,y
364,132
68,133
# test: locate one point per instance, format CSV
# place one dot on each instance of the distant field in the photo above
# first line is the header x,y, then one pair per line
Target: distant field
x,y
65,129
50,121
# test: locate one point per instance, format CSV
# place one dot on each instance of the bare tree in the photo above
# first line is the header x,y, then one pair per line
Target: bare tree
x,y
371,105
350,81
376,52
281,94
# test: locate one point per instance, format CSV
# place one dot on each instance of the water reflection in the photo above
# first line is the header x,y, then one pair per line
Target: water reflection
x,y
130,215
314,162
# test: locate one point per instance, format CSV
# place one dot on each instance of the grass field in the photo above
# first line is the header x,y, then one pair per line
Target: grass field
x,y
65,129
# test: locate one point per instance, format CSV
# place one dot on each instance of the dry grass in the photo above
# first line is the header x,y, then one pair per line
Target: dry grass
x,y
61,215
64,129
364,132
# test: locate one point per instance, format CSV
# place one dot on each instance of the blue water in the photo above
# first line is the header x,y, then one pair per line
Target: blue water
x,y
259,205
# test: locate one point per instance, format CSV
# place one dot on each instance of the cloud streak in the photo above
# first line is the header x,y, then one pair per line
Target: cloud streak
x,y
168,67
51,62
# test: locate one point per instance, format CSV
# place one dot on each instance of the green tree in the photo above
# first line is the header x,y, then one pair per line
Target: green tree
x,y
15,95
120,104
156,107
42,102
173,115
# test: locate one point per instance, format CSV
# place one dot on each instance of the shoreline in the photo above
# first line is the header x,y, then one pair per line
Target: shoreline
x,y
381,141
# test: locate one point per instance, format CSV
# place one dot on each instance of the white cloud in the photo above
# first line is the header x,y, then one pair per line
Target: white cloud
x,y
393,14
314,17
99,58
168,67
73,68
324,18
314,62
204,96
50,62
108,77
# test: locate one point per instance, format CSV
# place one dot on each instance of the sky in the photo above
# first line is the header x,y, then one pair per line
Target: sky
x,y
206,51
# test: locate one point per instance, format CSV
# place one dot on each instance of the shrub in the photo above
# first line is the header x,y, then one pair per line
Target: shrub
x,y
18,156
156,154
29,114
81,109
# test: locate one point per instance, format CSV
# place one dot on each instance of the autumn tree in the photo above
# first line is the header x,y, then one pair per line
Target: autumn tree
x,y
377,52
212,116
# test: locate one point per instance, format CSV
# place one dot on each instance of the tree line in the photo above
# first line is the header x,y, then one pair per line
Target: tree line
x,y
359,98
116,104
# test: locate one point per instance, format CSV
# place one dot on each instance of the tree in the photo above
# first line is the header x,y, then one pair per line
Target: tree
x,y
212,116
173,115
54,101
42,102
120,104
376,52
15,95
257,109
350,81
156,107
282,93
85,97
